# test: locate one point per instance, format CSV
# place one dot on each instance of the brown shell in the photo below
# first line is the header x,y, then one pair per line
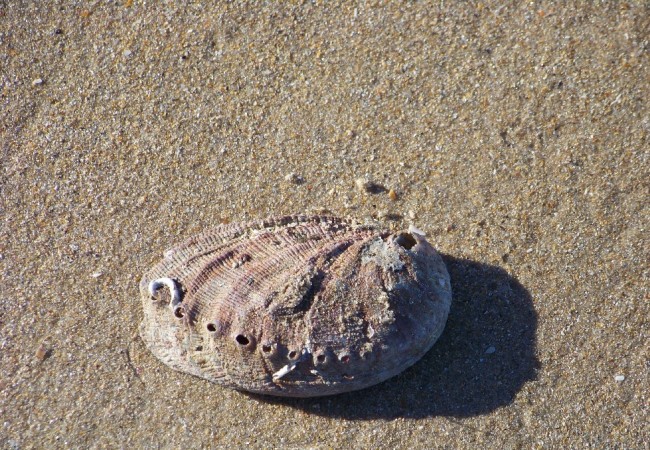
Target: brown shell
x,y
296,306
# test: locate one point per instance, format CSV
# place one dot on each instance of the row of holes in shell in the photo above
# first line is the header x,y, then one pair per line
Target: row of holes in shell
x,y
271,349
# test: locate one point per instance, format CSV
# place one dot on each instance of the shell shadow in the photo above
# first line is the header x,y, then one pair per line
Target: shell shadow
x,y
484,357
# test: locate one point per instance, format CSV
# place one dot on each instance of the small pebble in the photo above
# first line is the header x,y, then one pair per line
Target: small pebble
x,y
97,274
368,187
41,352
362,184
37,82
127,53
490,350
293,178
392,195
619,378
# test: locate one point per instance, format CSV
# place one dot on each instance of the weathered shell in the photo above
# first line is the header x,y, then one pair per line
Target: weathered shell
x,y
296,306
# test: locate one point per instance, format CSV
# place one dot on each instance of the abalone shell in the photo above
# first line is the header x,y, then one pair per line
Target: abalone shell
x,y
296,306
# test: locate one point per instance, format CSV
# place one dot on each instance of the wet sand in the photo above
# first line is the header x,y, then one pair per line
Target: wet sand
x,y
515,136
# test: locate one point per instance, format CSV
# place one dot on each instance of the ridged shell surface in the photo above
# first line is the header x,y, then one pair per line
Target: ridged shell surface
x,y
296,306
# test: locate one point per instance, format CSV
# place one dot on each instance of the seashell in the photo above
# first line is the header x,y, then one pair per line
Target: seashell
x,y
296,306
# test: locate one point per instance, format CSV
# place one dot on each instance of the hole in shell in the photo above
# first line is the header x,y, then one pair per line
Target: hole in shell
x,y
345,359
321,358
406,240
211,327
242,340
266,348
179,312
199,348
293,354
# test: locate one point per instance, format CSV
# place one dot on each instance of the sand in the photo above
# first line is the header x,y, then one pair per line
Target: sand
x,y
514,134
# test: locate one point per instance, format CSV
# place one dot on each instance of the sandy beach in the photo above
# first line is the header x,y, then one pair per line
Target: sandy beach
x,y
516,135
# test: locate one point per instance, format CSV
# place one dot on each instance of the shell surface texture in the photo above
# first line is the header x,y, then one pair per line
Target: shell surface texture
x,y
296,306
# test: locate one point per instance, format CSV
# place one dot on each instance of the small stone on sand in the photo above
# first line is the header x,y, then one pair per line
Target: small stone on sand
x,y
368,187
41,352
363,185
294,178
